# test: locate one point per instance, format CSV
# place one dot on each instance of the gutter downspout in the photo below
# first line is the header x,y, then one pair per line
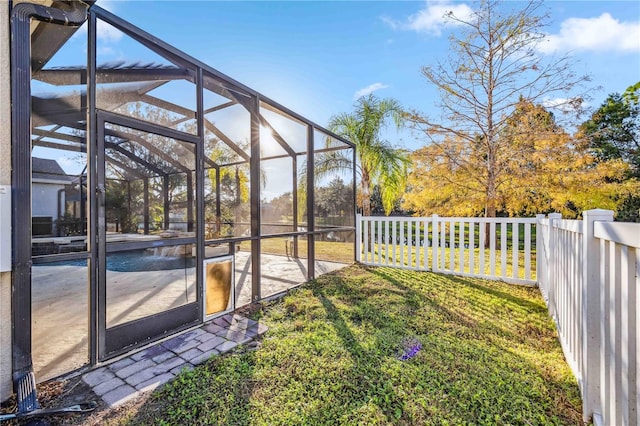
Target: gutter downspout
x,y
21,15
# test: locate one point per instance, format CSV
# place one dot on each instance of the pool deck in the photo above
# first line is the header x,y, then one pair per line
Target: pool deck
x,y
278,274
60,302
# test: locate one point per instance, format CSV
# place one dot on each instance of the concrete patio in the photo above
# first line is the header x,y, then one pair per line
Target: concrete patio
x,y
60,302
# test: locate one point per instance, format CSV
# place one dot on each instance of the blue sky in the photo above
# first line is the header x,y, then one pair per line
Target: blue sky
x,y
317,57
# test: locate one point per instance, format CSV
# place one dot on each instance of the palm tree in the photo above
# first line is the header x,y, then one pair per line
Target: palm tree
x,y
378,162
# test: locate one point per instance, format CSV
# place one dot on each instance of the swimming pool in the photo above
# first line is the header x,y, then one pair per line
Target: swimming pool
x,y
137,261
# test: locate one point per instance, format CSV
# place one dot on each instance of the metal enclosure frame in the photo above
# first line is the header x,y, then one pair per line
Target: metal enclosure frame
x,y
196,72
120,339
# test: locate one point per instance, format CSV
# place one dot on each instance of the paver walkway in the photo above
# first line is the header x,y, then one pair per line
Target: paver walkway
x,y
144,371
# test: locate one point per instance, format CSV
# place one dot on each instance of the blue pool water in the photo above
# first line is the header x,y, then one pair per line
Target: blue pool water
x,y
138,260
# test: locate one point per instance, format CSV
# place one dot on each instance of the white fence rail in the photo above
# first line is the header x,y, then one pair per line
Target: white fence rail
x,y
493,248
588,272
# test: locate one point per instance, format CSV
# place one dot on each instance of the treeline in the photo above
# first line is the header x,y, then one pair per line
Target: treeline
x,y
542,167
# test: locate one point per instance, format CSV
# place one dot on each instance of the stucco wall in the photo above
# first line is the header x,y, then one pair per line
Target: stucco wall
x,y
5,179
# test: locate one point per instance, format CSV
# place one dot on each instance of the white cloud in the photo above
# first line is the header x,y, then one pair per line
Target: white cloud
x,y
393,24
564,104
109,5
432,18
108,33
105,32
601,34
106,51
369,89
550,103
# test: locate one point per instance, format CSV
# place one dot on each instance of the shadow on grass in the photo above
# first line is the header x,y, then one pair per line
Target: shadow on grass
x,y
413,296
490,305
527,304
510,330
367,377
332,359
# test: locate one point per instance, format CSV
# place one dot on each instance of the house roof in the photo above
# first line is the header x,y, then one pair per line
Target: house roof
x,y
46,169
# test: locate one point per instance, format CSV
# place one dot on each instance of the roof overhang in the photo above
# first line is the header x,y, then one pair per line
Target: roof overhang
x,y
47,39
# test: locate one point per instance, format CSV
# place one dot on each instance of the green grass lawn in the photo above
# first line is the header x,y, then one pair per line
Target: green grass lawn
x,y
333,251
384,254
489,355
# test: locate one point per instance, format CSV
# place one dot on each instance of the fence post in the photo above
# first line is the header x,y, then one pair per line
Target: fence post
x,y
358,237
435,245
551,265
590,333
540,264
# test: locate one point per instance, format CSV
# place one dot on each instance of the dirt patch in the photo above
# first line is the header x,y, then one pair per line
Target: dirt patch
x,y
56,394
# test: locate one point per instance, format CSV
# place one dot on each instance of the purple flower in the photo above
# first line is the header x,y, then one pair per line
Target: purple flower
x,y
410,348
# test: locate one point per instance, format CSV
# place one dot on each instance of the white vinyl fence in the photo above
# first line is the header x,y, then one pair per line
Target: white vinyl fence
x,y
493,248
588,272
